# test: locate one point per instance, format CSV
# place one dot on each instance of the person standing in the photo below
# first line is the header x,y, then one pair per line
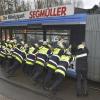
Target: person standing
x,y
81,55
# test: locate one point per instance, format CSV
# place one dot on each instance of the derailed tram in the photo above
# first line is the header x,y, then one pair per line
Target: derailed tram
x,y
69,28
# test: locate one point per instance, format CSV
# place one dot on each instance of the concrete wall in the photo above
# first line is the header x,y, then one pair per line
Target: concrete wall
x,y
93,44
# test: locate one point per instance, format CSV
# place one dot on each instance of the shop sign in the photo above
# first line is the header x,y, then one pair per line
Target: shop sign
x,y
16,16
51,12
63,10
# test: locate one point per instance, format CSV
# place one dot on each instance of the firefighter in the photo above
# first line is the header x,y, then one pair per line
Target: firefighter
x,y
18,55
41,59
9,58
60,72
2,53
81,54
14,43
23,45
53,63
30,59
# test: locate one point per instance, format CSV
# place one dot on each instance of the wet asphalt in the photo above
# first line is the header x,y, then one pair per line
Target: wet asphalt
x,y
67,91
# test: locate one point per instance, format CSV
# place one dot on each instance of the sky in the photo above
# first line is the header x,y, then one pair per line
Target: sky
x,y
90,3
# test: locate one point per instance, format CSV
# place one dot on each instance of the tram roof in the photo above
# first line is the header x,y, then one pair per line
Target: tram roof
x,y
61,20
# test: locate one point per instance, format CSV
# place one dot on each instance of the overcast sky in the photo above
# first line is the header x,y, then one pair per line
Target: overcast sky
x,y
90,3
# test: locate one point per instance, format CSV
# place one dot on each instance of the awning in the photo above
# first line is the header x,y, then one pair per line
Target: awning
x,y
61,20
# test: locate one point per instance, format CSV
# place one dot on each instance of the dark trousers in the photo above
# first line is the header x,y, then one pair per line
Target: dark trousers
x,y
48,77
81,82
14,67
2,61
58,80
9,63
28,69
37,71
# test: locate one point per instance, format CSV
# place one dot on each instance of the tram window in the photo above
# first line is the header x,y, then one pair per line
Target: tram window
x,y
18,33
19,37
54,35
34,36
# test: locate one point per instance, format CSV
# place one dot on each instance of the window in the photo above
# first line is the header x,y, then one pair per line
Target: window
x,y
54,35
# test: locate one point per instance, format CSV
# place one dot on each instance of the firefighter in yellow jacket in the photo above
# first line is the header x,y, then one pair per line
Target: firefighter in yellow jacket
x,y
18,55
61,71
52,64
2,53
30,60
41,59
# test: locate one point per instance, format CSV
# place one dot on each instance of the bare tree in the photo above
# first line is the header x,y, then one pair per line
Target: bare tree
x,y
78,3
15,3
50,3
12,6
2,7
28,6
25,6
7,6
